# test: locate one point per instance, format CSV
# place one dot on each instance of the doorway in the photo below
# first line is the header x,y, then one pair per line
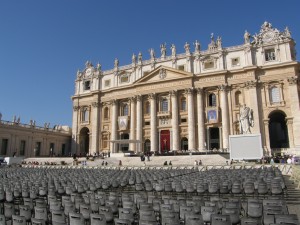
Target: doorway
x,y
214,138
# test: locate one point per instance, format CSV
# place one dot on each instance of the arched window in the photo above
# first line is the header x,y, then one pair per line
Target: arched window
x,y
85,115
212,100
164,105
147,108
238,98
183,104
125,110
106,114
274,95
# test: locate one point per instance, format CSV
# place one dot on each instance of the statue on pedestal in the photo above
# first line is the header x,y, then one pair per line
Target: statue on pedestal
x,y
247,37
187,48
197,47
173,48
246,119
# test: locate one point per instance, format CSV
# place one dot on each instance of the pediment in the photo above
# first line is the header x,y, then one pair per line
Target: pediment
x,y
163,73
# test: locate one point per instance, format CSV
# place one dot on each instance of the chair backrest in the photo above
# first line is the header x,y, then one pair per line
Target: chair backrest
x,y
40,213
207,212
18,220
97,219
220,220
9,210
25,211
58,216
193,219
76,219
35,221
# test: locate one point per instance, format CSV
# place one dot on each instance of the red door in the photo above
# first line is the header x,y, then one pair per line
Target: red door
x,y
165,141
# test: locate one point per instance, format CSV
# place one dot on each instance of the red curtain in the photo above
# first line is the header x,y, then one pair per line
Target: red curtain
x,y
165,141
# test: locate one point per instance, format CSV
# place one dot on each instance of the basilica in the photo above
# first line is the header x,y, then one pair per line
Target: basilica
x,y
192,101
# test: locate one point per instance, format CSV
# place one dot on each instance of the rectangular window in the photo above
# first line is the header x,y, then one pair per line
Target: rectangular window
x,y
85,115
164,105
275,95
124,79
4,146
147,123
181,67
209,65
270,54
22,147
107,83
235,61
183,120
87,85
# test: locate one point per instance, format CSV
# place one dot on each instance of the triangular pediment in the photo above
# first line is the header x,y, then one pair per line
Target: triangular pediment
x,y
163,73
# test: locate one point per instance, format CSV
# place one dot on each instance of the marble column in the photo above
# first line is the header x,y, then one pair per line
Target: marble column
x,y
153,122
139,122
132,123
175,122
200,118
225,115
95,127
191,119
75,122
253,104
295,113
267,149
114,119
289,124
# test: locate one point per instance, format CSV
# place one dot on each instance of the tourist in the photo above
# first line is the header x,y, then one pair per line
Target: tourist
x,y
200,163
106,163
170,163
272,161
120,163
196,163
165,163
289,160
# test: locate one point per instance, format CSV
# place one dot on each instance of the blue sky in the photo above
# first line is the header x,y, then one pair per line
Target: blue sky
x,y
44,42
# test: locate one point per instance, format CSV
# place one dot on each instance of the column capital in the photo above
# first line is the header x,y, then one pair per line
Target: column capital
x,y
251,84
292,80
199,90
152,96
76,108
173,92
223,87
138,98
96,104
189,91
132,99
114,101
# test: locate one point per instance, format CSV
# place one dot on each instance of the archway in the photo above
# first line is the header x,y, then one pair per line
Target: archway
x,y
278,131
84,141
184,144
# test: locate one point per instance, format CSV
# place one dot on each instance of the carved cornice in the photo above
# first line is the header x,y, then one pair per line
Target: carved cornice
x,y
114,101
292,80
132,99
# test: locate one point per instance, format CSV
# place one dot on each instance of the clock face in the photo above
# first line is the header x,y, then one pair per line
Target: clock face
x,y
88,71
268,36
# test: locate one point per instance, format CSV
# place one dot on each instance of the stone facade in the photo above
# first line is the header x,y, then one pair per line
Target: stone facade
x,y
29,140
191,101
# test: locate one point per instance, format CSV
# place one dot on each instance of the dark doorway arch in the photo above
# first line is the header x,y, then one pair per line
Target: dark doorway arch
x,y
184,144
278,131
147,146
124,146
84,140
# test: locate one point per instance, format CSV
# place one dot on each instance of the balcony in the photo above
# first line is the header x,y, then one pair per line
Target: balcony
x,y
164,114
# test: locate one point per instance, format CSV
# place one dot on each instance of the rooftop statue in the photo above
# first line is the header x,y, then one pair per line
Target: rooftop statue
x,y
163,50
197,47
152,54
133,58
116,63
140,57
247,37
187,48
173,49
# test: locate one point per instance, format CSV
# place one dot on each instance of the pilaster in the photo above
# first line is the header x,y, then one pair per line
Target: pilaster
x,y
200,118
153,122
175,122
225,114
191,119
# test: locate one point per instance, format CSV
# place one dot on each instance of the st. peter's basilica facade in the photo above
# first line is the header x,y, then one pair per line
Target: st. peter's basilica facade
x,y
192,100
